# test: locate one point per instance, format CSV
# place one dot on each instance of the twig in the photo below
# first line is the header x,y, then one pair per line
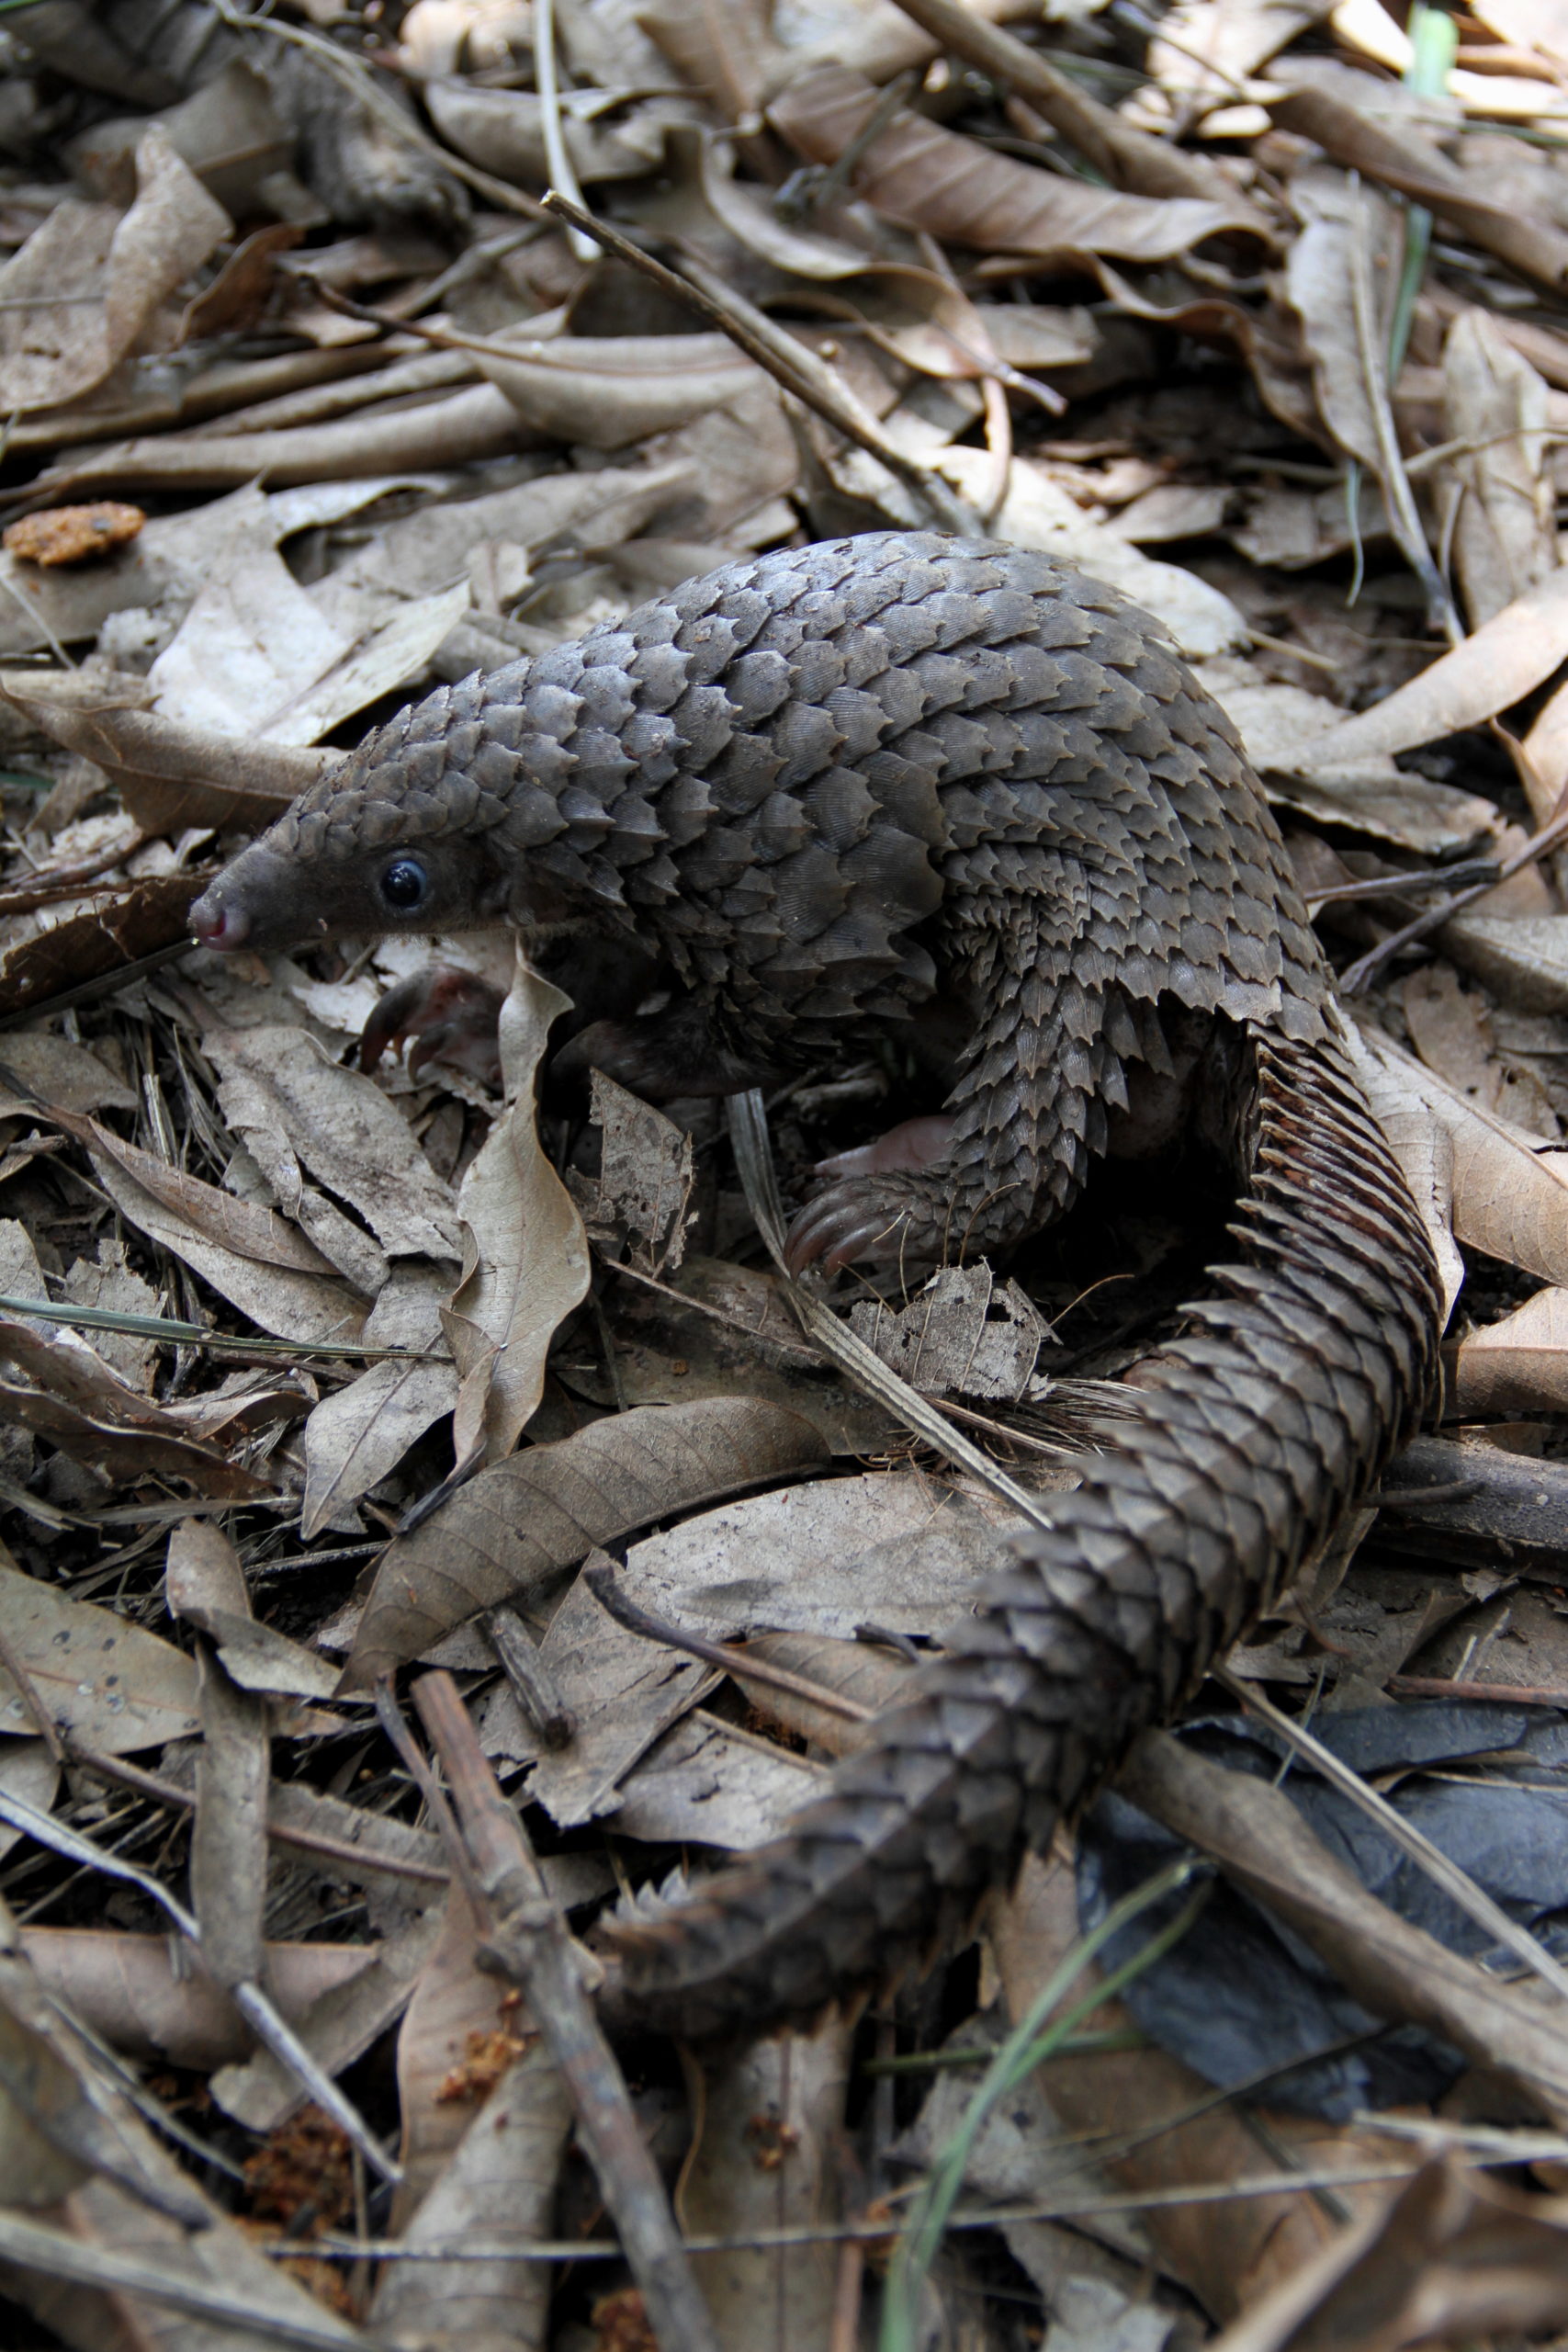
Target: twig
x,y
59,2253
1125,156
603,1583
1356,976
533,1685
1456,1883
1484,872
753,1160
796,370
66,881
1401,515
157,1790
254,1348
528,1943
556,158
1508,1694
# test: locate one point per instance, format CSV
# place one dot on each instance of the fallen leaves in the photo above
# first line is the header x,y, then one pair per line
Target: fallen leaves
x,y
1153,299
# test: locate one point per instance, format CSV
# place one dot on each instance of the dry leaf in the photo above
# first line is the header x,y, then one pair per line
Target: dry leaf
x,y
1505,657
134,1991
925,177
1360,135
1506,533
112,1683
516,1531
526,1262
51,350
1453,2258
769,2156
1517,1365
607,390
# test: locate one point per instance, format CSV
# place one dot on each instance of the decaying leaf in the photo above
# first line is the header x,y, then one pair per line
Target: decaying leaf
x,y
115,1685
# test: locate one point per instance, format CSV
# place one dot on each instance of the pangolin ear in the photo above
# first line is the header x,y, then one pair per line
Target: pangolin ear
x,y
493,898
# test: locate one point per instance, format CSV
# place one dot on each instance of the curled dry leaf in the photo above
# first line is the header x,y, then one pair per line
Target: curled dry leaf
x,y
1319,277
1508,1199
1281,727
61,2115
1400,158
1495,403
1451,2258
516,1531
228,1851
123,921
206,1587
82,1405
248,1254
52,349
459,430
526,1255
1423,1146
609,390
608,136
339,2025
169,776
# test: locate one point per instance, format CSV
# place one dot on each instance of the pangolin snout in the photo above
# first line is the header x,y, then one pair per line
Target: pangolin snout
x,y
217,922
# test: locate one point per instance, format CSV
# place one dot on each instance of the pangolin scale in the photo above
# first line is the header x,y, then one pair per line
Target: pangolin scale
x,y
823,787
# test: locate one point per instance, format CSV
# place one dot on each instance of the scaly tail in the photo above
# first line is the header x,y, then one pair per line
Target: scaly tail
x,y
1255,1433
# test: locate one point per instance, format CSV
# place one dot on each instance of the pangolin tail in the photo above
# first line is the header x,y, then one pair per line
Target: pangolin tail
x,y
1306,1366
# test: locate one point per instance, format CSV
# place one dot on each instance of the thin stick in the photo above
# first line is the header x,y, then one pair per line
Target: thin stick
x,y
796,370
1456,1883
557,159
534,1687
528,1943
1356,975
157,1790
1401,515
1123,155
603,1583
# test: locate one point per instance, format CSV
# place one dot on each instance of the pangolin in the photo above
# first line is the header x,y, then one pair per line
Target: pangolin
x,y
824,787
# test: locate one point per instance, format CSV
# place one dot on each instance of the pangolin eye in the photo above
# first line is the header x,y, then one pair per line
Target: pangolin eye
x,y
405,886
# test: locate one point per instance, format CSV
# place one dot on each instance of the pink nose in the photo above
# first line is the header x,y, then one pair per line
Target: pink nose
x,y
217,922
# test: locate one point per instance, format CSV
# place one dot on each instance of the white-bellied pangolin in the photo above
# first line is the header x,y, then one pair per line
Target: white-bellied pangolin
x,y
823,786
